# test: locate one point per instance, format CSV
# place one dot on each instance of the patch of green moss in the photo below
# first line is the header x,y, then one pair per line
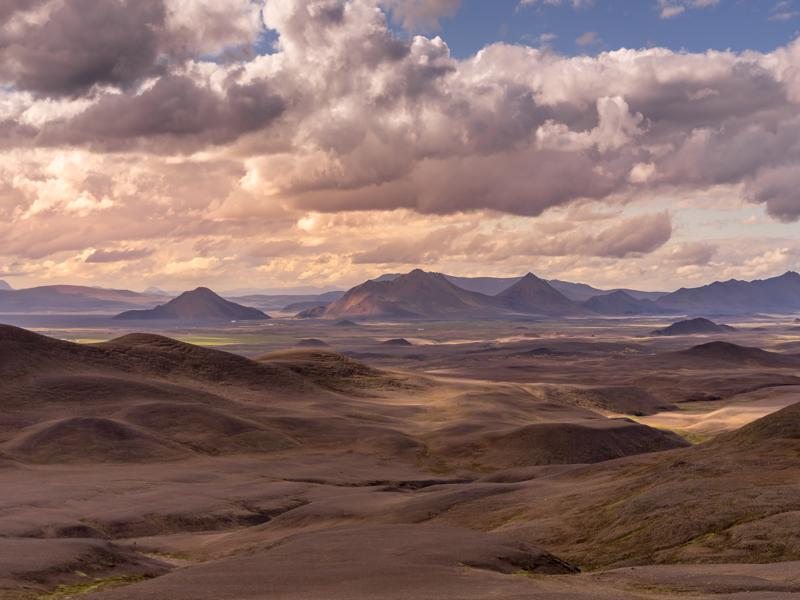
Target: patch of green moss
x,y
67,592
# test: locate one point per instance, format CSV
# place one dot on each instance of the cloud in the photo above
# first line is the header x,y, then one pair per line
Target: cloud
x,y
573,3
76,45
778,188
11,8
784,10
139,138
175,107
81,43
117,256
424,15
693,253
589,38
628,237
672,8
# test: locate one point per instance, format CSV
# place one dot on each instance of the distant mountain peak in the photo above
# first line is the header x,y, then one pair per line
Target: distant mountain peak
x,y
620,294
201,291
532,295
418,294
4,285
200,304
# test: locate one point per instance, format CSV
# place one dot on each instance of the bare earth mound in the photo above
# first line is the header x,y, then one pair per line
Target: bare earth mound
x,y
390,562
87,389
694,327
207,430
39,561
625,400
332,371
157,355
89,440
401,342
311,343
566,443
733,354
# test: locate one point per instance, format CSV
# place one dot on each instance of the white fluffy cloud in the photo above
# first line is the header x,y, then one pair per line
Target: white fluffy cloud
x,y
672,8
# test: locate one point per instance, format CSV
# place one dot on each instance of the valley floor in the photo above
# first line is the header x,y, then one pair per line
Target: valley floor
x,y
487,460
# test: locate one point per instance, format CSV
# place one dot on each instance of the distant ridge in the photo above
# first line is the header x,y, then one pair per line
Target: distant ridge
x,y
200,304
73,299
581,292
621,303
4,285
531,295
778,294
491,286
282,302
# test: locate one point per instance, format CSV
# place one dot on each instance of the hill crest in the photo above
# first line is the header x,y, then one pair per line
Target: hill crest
x,y
416,295
532,295
200,304
696,326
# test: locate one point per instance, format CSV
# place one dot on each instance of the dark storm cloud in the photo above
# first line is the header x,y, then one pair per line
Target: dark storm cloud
x,y
9,7
174,107
83,43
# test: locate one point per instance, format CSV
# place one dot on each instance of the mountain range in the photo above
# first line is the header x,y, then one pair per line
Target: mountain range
x,y
447,296
774,295
491,286
200,304
436,295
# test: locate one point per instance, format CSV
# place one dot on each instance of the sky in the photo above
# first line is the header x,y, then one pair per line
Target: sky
x,y
588,27
312,144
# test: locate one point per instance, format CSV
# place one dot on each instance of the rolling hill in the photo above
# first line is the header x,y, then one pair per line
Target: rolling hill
x,y
694,327
198,305
728,354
